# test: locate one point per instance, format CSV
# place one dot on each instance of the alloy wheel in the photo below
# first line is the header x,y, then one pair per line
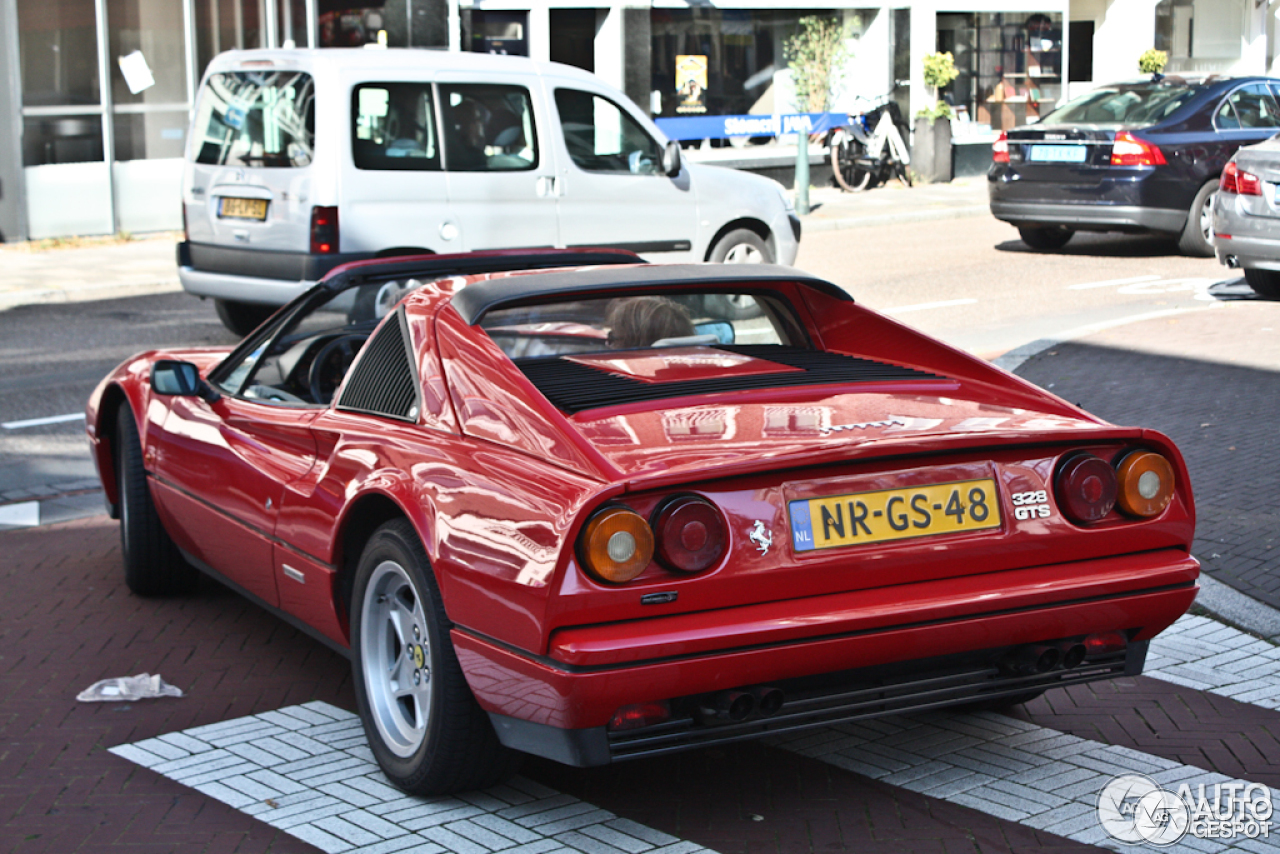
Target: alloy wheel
x,y
396,658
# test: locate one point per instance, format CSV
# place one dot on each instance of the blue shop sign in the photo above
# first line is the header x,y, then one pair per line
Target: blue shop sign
x,y
722,127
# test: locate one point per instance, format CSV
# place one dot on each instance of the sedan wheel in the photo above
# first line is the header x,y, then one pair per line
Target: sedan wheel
x,y
741,246
1197,235
424,726
1265,283
1048,237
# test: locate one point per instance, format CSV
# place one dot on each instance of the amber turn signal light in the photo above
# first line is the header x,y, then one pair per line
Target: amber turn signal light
x,y
1146,484
616,545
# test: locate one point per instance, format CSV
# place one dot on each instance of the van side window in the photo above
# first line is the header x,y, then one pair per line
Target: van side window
x,y
603,137
393,126
256,119
488,128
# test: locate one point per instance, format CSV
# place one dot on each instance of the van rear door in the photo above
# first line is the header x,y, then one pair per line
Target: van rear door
x,y
250,156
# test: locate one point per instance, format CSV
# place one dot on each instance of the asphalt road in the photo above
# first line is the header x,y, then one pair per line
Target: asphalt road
x,y
968,281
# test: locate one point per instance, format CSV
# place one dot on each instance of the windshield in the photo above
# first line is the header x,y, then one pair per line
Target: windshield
x,y
641,322
256,119
1122,105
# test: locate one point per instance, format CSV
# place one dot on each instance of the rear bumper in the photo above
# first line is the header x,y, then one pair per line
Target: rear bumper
x,y
1249,239
1090,217
253,275
938,642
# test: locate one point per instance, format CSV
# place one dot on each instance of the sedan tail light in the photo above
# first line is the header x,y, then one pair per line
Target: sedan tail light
x,y
1000,149
1242,183
1085,488
324,230
616,545
1129,150
690,534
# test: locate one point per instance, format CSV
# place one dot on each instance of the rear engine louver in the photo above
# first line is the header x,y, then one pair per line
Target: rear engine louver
x,y
383,382
574,387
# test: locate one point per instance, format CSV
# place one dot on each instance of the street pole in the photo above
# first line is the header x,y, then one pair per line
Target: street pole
x,y
802,173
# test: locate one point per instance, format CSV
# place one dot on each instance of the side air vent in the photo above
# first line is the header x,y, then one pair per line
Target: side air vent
x,y
383,381
575,387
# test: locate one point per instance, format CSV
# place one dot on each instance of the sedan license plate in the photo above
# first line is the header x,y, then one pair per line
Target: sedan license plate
x,y
233,208
893,514
1057,153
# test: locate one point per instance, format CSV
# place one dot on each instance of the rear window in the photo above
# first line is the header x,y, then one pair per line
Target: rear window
x,y
1122,105
250,118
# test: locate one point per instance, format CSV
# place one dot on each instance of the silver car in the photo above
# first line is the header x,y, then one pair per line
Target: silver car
x,y
1246,216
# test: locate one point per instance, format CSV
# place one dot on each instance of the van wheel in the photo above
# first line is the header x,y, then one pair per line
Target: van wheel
x,y
1197,235
242,318
153,566
1265,283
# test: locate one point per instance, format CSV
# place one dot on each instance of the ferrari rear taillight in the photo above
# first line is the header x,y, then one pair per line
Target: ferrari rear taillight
x,y
690,534
638,715
1000,149
1085,487
1145,483
1242,183
1130,150
616,545
324,230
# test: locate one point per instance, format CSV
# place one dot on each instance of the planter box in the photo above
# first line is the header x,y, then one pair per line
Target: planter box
x,y
931,155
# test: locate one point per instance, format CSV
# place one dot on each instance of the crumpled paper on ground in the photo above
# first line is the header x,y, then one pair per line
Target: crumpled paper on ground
x,y
144,686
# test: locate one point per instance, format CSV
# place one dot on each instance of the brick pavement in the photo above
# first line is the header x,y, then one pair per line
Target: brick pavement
x,y
1214,388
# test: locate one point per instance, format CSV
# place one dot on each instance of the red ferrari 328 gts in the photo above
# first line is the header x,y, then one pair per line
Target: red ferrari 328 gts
x,y
615,510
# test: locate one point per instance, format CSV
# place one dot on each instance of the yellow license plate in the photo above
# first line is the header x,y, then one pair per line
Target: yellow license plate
x,y
243,208
893,514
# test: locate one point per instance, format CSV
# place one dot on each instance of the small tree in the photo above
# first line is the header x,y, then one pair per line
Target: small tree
x,y
939,70
816,55
1152,61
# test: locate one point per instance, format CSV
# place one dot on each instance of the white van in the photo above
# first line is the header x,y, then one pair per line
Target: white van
x,y
301,160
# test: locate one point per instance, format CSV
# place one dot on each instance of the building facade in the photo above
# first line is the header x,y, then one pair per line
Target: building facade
x,y
95,95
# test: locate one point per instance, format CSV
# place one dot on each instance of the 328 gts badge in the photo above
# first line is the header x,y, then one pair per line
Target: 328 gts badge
x,y
1031,505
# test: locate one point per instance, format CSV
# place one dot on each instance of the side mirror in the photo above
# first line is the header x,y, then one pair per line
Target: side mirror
x,y
671,159
181,379
721,329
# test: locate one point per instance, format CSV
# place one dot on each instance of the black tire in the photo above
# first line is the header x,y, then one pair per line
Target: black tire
x,y
153,566
430,737
1045,238
844,151
1265,283
741,246
241,318
903,173
1197,235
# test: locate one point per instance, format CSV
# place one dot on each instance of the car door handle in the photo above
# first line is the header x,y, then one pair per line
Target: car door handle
x,y
547,186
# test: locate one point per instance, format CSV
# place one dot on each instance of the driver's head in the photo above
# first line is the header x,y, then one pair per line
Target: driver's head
x,y
639,321
471,117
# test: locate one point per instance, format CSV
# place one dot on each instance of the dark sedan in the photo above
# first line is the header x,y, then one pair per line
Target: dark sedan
x,y
1138,157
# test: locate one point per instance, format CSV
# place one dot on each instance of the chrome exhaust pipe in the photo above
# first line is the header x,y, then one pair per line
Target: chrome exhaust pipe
x,y
1034,659
731,706
1233,262
768,700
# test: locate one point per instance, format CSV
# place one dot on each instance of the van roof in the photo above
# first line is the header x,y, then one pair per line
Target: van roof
x,y
387,58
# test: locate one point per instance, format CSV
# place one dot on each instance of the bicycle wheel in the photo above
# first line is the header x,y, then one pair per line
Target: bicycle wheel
x,y
904,174
845,150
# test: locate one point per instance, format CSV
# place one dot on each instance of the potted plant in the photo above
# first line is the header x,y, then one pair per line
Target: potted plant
x,y
932,155
1152,62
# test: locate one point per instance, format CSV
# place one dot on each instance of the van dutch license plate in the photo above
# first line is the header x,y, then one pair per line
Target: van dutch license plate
x,y
1057,153
233,208
893,514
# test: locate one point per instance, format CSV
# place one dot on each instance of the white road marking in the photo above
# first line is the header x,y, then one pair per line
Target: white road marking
x,y
41,422
307,770
925,306
23,515
1113,282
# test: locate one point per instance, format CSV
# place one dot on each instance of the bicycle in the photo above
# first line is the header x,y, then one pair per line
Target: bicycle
x,y
872,148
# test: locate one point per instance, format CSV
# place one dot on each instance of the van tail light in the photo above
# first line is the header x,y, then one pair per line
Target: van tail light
x,y
1000,149
324,230
1146,484
689,534
1129,150
186,232
1085,488
1242,183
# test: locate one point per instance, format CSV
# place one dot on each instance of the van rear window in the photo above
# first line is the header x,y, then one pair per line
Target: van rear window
x,y
256,119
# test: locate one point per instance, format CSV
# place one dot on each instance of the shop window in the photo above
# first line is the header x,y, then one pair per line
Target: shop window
x,y
1080,60
1019,67
58,45
150,135
153,28
61,139
225,25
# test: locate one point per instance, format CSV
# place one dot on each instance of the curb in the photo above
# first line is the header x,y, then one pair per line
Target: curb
x,y
810,225
88,293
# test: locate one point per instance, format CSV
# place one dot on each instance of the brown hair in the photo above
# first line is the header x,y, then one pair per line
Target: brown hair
x,y
639,321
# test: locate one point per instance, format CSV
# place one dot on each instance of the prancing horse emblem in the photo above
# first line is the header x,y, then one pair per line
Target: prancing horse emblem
x,y
761,537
